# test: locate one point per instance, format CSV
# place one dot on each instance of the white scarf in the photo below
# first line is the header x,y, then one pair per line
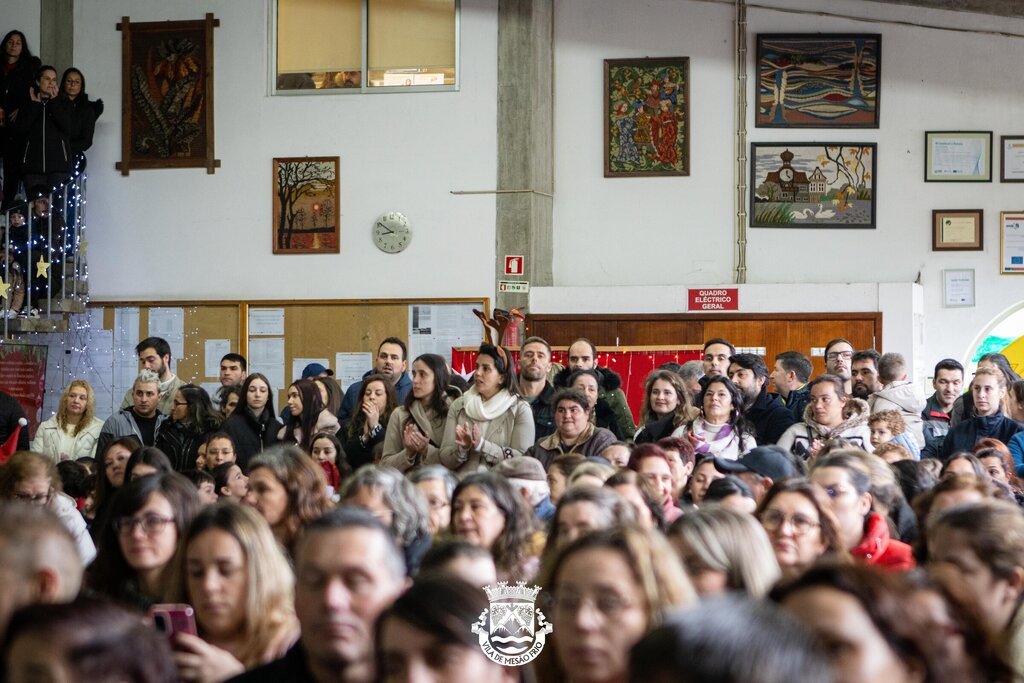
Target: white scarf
x,y
479,410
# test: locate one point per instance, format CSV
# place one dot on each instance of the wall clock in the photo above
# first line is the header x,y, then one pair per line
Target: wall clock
x,y
391,232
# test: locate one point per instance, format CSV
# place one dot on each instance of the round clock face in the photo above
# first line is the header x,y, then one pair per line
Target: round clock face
x,y
786,174
391,232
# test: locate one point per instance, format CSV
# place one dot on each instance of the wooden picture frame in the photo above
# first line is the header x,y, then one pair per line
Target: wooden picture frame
x,y
958,156
1011,159
1011,243
813,185
647,117
167,94
958,230
306,205
818,80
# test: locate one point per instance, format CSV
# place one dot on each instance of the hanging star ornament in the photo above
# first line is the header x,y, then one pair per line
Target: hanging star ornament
x,y
3,288
42,268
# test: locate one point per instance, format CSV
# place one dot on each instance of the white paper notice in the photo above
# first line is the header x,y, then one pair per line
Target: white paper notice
x,y
267,322
436,328
266,356
350,367
169,323
299,364
958,156
215,350
1013,244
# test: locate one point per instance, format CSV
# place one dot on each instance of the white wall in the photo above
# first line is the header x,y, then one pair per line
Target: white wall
x,y
24,16
652,232
180,234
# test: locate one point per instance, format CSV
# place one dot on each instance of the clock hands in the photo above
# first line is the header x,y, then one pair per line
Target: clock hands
x,y
385,228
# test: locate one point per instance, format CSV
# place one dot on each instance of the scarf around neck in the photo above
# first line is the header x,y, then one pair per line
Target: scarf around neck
x,y
479,410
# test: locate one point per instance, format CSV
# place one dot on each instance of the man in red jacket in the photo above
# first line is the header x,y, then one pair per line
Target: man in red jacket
x,y
847,482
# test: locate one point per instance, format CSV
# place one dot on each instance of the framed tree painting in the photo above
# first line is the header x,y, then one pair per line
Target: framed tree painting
x,y
823,80
812,185
646,117
167,94
307,207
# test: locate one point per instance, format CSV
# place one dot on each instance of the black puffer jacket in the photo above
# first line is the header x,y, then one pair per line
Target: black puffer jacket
x,y
251,435
45,127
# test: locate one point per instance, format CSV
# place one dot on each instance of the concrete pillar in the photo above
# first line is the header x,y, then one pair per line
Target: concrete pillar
x,y
525,158
57,33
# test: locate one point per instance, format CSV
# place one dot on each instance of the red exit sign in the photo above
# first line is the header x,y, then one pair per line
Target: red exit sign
x,y
714,299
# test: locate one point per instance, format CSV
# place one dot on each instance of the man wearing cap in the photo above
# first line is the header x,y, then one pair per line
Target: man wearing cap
x,y
765,411
392,363
759,468
314,370
528,477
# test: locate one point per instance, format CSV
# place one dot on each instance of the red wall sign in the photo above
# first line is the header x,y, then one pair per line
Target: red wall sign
x,y
514,265
724,299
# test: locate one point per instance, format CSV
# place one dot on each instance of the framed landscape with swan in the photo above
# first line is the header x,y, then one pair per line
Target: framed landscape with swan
x,y
812,185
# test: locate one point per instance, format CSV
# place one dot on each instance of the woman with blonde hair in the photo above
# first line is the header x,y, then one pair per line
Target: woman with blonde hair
x,y
240,584
71,433
667,404
625,578
590,474
724,550
33,478
288,489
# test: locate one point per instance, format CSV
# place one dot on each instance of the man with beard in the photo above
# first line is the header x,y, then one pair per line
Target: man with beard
x,y
155,354
864,374
347,571
583,356
898,394
392,363
948,382
838,354
763,410
534,387
790,376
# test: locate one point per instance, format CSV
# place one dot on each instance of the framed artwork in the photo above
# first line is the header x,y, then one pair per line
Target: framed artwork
x,y
812,185
167,94
1011,243
961,230
958,156
818,80
646,117
307,205
1011,161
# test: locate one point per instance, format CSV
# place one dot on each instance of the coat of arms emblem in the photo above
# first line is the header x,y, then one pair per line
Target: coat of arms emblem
x,y
512,630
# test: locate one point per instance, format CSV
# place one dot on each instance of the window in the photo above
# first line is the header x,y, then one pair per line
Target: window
x,y
365,45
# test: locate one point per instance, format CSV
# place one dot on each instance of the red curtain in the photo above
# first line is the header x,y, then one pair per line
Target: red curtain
x,y
632,366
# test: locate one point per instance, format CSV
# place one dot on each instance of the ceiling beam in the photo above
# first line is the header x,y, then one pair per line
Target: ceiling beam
x,y
1002,8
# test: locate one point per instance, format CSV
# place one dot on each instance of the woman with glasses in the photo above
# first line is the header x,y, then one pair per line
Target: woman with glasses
x,y
71,433
607,589
193,418
416,429
575,433
33,478
800,524
436,483
138,544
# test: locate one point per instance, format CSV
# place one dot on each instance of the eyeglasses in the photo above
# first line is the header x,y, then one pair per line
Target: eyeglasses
x,y
836,355
39,499
773,520
181,403
150,524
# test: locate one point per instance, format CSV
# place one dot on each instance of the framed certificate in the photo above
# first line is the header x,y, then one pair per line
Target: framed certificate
x,y
958,156
1011,162
958,288
1011,243
961,230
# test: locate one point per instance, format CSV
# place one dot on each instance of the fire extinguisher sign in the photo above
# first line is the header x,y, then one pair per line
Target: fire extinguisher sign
x,y
514,265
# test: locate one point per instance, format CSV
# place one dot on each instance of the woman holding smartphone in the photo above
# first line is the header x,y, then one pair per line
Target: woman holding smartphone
x,y
238,581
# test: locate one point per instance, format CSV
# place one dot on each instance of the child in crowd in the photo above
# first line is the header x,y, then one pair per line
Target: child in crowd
x,y
888,426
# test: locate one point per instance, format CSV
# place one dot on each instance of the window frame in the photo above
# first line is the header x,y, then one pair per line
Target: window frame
x,y
364,87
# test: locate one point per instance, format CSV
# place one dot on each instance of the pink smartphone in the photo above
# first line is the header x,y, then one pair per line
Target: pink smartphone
x,y
171,618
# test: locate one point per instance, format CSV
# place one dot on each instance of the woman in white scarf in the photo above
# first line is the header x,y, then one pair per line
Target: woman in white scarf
x,y
416,430
490,422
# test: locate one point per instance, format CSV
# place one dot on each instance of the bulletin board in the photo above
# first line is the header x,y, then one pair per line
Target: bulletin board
x,y
313,329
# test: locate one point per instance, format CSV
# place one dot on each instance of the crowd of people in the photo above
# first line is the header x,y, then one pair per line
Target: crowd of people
x,y
46,125
844,527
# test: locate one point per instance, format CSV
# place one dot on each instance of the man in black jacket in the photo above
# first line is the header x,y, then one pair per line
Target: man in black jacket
x,y
534,387
790,376
763,410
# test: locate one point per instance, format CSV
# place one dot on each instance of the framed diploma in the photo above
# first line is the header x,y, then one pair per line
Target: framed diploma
x,y
961,230
958,288
958,156
1011,243
1011,162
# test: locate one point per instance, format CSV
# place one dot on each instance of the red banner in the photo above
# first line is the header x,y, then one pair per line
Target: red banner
x,y
23,376
632,366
